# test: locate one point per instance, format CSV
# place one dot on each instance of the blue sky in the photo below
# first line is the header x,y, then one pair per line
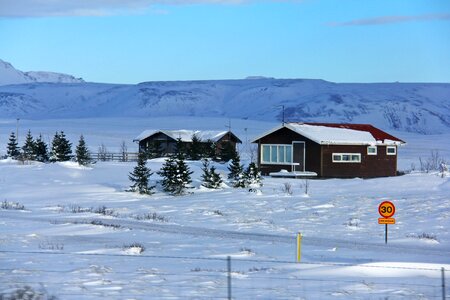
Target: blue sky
x,y
123,41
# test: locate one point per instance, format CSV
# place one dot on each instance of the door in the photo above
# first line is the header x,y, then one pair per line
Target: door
x,y
298,156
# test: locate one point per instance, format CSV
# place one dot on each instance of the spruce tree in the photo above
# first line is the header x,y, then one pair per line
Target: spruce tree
x,y
12,150
236,174
61,148
154,149
196,149
140,176
253,175
209,149
82,155
176,175
29,147
227,151
210,179
40,150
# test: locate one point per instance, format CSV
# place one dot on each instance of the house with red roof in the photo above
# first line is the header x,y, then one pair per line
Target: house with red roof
x,y
327,150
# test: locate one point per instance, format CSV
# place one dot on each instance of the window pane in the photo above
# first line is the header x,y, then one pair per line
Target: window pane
x,y
274,157
288,154
281,154
372,150
391,150
336,158
266,153
346,157
355,157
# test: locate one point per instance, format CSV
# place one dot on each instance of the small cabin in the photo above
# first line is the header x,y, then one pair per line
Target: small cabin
x,y
327,150
167,140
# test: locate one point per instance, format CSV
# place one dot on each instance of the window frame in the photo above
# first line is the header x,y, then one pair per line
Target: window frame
x,y
341,160
372,153
270,147
391,147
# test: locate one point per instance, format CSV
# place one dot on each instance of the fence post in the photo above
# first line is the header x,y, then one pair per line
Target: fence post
x,y
229,276
443,283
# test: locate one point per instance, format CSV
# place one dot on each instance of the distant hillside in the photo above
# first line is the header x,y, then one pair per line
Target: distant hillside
x,y
10,75
414,107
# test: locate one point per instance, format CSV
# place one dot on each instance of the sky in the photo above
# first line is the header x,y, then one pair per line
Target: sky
x,y
124,41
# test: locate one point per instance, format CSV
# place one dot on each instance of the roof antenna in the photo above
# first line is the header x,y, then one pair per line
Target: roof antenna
x,y
229,125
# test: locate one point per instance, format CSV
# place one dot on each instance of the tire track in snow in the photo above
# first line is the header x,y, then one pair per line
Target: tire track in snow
x,y
229,234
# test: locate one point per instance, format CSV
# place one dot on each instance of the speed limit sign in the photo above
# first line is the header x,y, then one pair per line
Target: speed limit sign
x,y
386,209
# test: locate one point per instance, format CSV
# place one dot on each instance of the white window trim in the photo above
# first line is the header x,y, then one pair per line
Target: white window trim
x,y
372,147
391,147
346,161
270,154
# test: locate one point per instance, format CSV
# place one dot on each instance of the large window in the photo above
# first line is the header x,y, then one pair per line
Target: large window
x,y
276,154
346,157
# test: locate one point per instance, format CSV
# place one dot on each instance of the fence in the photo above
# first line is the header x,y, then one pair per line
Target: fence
x,y
118,276
107,156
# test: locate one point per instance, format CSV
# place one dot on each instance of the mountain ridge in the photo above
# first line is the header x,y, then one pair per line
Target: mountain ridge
x,y
412,107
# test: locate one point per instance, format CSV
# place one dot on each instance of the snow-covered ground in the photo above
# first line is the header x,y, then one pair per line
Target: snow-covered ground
x,y
80,234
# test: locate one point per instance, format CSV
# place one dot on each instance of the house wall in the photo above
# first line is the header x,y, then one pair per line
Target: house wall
x,y
379,165
318,158
168,145
287,136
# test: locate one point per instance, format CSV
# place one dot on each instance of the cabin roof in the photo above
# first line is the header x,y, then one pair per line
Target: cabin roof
x,y
339,134
186,135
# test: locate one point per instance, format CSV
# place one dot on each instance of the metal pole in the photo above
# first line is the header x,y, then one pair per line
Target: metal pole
x,y
443,283
386,233
17,130
229,276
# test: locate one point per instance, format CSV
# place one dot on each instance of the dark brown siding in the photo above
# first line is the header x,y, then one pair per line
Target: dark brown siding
x,y
287,136
379,165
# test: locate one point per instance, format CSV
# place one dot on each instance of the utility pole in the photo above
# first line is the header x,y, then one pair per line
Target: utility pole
x,y
282,112
17,130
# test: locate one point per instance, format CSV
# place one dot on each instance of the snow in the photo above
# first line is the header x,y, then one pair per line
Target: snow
x,y
9,75
413,107
58,239
184,135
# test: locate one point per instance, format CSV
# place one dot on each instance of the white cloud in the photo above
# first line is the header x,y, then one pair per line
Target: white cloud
x,y
392,19
49,8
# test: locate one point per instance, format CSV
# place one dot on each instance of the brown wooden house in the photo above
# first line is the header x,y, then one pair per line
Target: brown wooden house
x,y
328,150
167,139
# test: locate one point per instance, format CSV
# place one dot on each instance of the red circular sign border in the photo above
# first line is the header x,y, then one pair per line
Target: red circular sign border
x,y
393,210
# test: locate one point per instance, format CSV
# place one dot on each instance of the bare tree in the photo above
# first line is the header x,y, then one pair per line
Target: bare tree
x,y
102,152
123,151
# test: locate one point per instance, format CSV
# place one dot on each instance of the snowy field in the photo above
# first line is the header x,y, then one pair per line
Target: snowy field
x,y
79,235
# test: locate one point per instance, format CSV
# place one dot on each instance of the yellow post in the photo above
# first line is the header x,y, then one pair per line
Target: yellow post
x,y
299,246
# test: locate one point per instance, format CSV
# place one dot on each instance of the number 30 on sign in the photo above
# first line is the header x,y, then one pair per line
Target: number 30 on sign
x,y
386,209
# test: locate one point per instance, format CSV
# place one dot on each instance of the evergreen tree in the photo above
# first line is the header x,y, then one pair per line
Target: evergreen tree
x,y
228,151
209,149
154,149
61,148
176,174
82,155
40,150
29,147
12,150
196,149
180,148
210,179
252,175
140,176
236,175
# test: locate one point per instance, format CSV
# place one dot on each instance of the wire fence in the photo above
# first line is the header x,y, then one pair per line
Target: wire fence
x,y
118,276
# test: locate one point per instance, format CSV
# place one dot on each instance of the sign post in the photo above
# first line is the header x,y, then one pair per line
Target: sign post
x,y
386,210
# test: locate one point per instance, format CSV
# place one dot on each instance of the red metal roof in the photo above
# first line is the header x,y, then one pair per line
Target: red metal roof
x,y
378,134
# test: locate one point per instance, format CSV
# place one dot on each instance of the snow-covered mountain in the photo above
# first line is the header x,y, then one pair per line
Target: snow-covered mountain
x,y
413,107
10,75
